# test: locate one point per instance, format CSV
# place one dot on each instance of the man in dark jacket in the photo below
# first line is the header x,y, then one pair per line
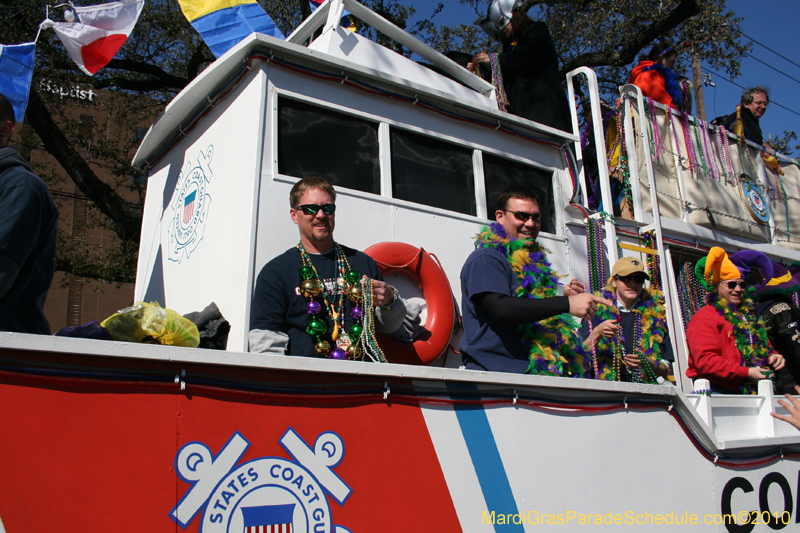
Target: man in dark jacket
x,y
782,316
28,230
754,104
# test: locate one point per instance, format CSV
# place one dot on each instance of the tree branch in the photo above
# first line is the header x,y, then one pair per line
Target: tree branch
x,y
127,221
626,55
579,4
150,70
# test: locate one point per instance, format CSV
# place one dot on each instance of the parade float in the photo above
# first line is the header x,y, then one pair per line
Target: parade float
x,y
108,434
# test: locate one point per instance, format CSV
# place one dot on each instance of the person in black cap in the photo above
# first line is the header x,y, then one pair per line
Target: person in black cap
x,y
777,307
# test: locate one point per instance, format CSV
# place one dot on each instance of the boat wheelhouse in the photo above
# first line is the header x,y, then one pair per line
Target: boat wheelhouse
x,y
157,437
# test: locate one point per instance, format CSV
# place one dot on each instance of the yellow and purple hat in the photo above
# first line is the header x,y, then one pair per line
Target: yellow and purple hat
x,y
719,266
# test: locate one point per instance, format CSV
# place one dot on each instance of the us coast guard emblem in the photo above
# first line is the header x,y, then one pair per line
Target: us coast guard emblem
x,y
190,207
265,495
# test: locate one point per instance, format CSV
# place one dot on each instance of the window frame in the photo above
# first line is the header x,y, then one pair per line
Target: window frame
x,y
384,153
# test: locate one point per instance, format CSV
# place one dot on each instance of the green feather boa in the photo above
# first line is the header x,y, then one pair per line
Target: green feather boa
x,y
654,329
554,346
754,349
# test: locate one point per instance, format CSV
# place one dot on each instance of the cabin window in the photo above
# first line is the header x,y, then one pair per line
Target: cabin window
x,y
432,172
317,142
501,173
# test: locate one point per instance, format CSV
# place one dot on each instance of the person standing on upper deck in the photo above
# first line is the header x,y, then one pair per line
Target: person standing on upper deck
x,y
28,233
302,301
512,313
752,107
656,77
727,340
528,65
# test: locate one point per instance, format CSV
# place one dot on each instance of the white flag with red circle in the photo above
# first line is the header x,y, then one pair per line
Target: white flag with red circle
x,y
100,31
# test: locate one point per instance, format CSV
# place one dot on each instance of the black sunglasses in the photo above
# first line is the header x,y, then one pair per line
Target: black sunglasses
x,y
522,216
733,284
638,278
313,209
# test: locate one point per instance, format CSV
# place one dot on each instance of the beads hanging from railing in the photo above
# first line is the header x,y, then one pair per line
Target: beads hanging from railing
x,y
653,261
596,254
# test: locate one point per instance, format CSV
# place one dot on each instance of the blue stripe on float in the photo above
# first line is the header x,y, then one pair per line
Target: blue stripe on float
x,y
486,458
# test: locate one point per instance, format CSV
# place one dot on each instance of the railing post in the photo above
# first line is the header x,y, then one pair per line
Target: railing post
x,y
600,144
766,424
704,402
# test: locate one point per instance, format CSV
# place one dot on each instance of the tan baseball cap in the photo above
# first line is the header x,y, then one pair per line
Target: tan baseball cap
x,y
627,266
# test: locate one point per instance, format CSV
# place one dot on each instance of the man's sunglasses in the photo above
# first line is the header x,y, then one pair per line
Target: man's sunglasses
x,y
638,278
522,216
733,284
313,209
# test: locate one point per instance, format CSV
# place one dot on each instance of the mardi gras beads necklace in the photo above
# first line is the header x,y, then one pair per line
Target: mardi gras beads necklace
x,y
653,261
595,229
648,376
750,336
687,139
655,133
675,165
313,287
497,81
368,340
721,139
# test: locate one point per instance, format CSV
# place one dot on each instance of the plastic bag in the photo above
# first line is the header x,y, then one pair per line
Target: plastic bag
x,y
151,323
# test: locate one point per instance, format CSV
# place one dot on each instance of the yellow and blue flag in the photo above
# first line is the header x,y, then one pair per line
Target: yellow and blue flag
x,y
16,72
224,23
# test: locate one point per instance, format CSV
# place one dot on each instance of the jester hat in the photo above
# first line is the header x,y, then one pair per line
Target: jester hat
x,y
785,280
719,266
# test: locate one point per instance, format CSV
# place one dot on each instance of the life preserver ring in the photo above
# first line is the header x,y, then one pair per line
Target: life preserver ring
x,y
424,269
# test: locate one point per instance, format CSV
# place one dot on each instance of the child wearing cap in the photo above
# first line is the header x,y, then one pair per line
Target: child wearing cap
x,y
629,341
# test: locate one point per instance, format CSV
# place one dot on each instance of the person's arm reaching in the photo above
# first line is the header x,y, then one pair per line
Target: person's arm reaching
x,y
503,309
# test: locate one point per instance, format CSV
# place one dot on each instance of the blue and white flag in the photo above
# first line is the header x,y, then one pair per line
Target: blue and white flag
x,y
16,72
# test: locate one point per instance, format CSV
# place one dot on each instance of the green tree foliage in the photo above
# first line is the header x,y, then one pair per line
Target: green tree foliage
x,y
783,143
610,35
164,54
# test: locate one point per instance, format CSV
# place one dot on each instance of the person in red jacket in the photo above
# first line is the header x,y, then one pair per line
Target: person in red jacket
x,y
727,339
657,79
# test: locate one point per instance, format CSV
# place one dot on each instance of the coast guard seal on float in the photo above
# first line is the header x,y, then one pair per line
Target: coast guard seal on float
x,y
266,494
190,207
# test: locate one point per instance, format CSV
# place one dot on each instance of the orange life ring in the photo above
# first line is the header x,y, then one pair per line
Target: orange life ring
x,y
424,269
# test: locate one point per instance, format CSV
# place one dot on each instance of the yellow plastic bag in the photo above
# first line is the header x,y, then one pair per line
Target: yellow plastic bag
x,y
151,323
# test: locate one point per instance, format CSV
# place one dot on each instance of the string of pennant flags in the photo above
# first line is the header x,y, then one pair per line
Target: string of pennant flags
x,y
92,36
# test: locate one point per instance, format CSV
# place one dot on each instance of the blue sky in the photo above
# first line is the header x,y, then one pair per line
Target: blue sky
x,y
772,23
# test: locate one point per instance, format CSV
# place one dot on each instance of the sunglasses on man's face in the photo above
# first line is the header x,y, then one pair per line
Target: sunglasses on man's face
x,y
637,278
523,217
733,284
313,209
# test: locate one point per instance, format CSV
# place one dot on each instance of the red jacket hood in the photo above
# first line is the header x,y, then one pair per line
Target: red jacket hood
x,y
638,69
